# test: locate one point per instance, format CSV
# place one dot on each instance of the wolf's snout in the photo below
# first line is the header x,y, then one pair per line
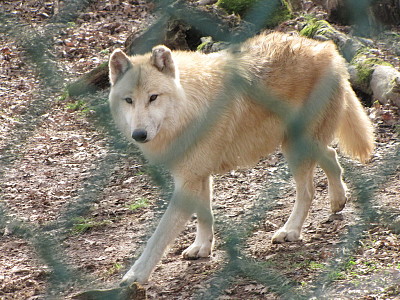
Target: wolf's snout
x,y
139,135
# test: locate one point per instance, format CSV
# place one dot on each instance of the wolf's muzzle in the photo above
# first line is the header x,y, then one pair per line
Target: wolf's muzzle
x,y
140,135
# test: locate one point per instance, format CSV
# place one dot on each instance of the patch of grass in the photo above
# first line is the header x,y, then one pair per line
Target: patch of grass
x,y
78,106
142,202
336,275
64,96
349,264
71,24
82,225
291,262
113,269
315,265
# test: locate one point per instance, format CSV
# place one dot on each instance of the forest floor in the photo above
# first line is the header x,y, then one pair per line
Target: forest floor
x,y
59,155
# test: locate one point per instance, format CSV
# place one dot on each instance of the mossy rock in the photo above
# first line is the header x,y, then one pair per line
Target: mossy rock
x,y
209,46
317,28
323,31
256,11
365,67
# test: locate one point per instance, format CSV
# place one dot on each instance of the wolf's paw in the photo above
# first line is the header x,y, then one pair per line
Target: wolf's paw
x,y
284,235
338,197
338,201
133,276
197,250
337,205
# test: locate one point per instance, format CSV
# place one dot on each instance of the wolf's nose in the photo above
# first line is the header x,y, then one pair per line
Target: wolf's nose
x,y
139,135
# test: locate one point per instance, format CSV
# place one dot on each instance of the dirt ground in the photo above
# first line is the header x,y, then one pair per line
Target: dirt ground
x,y
59,161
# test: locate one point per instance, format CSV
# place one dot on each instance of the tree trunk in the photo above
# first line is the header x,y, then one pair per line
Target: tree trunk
x,y
295,5
367,16
387,11
173,31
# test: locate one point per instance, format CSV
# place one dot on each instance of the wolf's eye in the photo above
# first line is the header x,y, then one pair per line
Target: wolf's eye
x,y
128,100
153,97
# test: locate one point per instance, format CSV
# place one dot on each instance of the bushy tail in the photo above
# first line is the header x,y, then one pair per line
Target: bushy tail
x,y
355,132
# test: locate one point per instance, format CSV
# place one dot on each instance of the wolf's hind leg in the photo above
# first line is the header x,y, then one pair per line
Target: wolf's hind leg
x,y
204,241
336,187
303,175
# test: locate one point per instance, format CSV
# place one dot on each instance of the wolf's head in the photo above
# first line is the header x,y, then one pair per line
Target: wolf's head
x,y
144,90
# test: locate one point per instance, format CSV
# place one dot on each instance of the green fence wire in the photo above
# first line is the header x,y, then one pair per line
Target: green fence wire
x,y
38,49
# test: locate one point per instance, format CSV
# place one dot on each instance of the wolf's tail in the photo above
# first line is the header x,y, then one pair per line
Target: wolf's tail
x,y
355,132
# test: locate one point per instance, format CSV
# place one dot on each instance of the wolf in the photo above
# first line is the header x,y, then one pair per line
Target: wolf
x,y
204,114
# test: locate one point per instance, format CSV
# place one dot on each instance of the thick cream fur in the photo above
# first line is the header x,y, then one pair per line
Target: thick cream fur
x,y
309,81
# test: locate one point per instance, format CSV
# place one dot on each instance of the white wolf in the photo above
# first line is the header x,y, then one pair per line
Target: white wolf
x,y
185,110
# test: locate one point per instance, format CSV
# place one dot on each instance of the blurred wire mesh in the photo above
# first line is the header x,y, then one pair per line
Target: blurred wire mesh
x,y
38,48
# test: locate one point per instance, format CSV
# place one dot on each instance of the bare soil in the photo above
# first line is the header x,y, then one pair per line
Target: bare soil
x,y
58,154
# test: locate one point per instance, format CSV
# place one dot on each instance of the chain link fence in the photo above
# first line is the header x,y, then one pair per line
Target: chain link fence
x,y
38,49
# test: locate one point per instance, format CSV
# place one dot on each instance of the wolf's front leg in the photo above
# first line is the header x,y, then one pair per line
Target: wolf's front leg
x,y
181,207
204,241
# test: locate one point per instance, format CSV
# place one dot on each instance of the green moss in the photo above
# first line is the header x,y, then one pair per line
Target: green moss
x,y
280,15
377,61
253,10
238,7
201,46
205,41
316,27
366,66
364,73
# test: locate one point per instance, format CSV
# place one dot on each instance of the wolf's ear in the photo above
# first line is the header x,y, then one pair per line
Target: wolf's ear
x,y
119,64
161,58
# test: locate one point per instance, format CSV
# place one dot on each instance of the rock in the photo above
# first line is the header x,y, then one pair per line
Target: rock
x,y
323,31
369,73
385,85
133,292
209,46
395,225
207,2
334,217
